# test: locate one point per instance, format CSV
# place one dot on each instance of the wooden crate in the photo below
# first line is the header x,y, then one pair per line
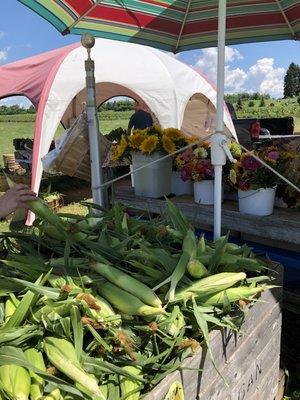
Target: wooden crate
x,y
249,361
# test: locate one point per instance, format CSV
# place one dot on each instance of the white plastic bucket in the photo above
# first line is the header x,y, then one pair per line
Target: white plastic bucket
x,y
178,186
257,202
204,192
154,180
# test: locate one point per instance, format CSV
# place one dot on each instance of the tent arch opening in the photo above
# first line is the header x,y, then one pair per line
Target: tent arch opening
x,y
105,91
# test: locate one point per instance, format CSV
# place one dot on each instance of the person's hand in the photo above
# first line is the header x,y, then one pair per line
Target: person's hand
x,y
15,198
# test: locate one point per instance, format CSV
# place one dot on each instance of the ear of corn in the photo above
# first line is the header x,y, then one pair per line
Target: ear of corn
x,y
196,269
15,381
62,355
128,386
126,302
233,294
37,383
126,282
189,250
211,285
40,208
11,305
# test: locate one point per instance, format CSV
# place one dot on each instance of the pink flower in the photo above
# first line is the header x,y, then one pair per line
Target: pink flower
x,y
273,155
250,163
187,155
185,174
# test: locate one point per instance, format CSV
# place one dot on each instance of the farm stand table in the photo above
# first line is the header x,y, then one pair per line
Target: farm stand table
x,y
282,229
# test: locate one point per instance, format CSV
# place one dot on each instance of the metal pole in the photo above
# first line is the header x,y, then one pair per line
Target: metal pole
x,y
218,156
99,193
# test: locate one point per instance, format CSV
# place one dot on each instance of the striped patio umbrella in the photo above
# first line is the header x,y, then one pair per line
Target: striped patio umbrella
x,y
178,25
173,25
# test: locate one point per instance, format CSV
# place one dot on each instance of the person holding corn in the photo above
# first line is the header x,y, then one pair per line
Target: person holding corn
x,y
14,198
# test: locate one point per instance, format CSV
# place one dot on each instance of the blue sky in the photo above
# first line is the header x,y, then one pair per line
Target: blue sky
x,y
250,67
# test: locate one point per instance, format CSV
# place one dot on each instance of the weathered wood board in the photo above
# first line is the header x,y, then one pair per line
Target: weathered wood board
x,y
269,227
248,361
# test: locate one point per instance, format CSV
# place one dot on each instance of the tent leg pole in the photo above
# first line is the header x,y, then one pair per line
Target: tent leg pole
x,y
218,156
99,194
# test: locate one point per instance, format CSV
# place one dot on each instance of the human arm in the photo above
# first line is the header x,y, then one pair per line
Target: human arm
x,y
15,198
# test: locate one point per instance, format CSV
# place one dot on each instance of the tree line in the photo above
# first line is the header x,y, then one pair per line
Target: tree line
x,y
118,105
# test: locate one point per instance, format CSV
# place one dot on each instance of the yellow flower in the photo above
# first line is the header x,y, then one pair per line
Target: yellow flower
x,y
179,161
136,139
120,149
191,139
168,145
173,133
149,144
236,166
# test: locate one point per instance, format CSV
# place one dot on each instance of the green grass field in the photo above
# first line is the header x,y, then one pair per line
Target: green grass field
x,y
22,125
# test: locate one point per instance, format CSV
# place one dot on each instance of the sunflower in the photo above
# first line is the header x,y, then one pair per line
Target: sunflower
x,y
149,144
136,139
168,145
173,134
179,161
120,149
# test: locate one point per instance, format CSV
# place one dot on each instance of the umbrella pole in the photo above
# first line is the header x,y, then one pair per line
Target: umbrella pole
x,y
99,193
218,156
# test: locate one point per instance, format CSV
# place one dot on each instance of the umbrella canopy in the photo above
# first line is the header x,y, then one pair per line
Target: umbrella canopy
x,y
173,25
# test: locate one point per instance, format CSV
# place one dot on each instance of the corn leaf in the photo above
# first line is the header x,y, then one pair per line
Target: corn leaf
x,y
77,330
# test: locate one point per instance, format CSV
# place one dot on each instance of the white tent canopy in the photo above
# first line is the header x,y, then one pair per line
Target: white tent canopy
x,y
176,94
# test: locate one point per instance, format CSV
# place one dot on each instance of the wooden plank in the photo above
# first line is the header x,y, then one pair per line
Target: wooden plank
x,y
269,227
248,364
268,388
250,376
226,346
281,386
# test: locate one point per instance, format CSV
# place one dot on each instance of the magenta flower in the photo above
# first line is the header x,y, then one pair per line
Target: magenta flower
x,y
187,155
185,174
273,155
250,163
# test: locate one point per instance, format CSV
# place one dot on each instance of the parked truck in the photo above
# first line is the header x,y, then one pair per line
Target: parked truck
x,y
246,128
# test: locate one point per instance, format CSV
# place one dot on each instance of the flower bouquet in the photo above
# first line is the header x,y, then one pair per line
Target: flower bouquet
x,y
195,166
144,147
255,183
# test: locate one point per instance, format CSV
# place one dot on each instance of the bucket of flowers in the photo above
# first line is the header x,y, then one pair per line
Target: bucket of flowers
x,y
255,183
195,166
148,145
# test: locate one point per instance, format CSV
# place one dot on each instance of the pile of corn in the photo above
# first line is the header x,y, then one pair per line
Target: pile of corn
x,y
104,307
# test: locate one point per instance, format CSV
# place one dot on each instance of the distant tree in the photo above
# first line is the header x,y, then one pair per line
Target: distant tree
x,y
255,96
292,81
262,102
251,103
239,104
298,100
31,109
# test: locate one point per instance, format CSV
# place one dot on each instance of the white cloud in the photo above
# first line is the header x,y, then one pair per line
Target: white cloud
x,y
263,76
268,78
3,55
234,78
